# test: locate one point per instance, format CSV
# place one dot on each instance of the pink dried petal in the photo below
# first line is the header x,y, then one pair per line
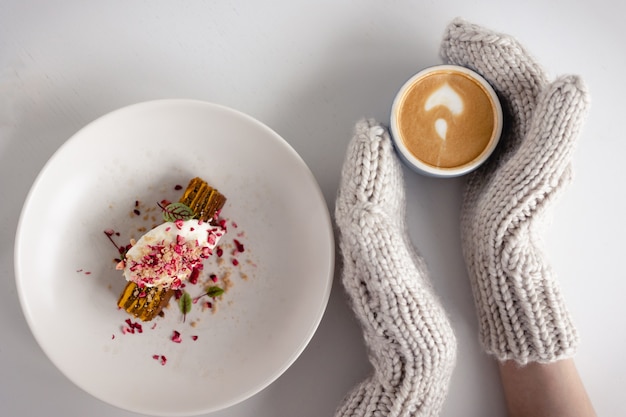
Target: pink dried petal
x,y
176,283
176,337
193,278
132,326
239,245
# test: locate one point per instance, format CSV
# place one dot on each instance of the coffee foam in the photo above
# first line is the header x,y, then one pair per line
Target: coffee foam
x,y
446,118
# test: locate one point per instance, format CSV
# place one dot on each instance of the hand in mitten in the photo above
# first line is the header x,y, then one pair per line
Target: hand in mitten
x,y
521,312
410,342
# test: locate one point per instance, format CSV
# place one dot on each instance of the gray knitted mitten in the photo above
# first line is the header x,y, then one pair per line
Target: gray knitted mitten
x,y
520,309
411,345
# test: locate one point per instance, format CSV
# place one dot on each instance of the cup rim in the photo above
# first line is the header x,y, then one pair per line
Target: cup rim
x,y
431,170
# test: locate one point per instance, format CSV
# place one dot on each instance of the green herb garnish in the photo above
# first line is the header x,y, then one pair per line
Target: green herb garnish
x,y
214,291
185,303
177,211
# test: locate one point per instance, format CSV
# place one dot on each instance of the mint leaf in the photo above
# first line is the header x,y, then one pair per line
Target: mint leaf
x,y
177,211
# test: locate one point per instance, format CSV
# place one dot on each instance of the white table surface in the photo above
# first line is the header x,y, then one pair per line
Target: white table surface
x,y
309,70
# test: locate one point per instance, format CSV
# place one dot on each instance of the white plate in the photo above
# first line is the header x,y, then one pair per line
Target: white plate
x,y
68,285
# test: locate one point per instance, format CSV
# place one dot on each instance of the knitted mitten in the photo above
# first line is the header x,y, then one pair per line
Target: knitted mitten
x,y
411,344
520,309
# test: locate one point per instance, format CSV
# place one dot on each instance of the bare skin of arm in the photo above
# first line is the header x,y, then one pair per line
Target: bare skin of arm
x,y
542,390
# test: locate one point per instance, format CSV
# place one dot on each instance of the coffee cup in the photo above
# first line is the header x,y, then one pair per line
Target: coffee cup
x,y
446,121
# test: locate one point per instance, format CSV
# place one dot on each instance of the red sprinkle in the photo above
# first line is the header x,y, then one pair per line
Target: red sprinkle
x,y
219,252
239,245
235,262
176,284
194,337
162,357
193,278
133,326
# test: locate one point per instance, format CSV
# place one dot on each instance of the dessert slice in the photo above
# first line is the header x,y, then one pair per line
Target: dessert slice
x,y
162,259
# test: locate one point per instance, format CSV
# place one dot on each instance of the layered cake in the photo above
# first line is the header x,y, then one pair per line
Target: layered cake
x,y
166,256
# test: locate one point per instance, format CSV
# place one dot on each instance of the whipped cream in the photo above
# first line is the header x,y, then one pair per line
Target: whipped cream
x,y
167,254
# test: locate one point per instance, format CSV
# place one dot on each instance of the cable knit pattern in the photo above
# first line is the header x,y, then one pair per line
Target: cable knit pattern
x,y
520,308
411,345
